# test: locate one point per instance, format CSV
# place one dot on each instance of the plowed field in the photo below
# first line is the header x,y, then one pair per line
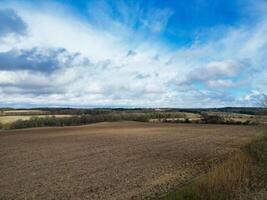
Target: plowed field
x,y
120,160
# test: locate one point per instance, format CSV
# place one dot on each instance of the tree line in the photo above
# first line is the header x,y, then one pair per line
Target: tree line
x,y
49,121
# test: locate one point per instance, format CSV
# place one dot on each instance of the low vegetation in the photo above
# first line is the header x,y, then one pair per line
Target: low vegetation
x,y
219,118
72,121
243,176
7,119
74,117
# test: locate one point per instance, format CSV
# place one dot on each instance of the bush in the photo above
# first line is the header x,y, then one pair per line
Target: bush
x,y
212,119
187,120
250,122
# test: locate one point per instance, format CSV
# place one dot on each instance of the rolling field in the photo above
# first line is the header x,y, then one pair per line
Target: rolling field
x,y
13,118
120,160
29,111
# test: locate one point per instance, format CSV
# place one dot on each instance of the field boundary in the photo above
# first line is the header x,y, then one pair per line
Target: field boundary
x,y
242,176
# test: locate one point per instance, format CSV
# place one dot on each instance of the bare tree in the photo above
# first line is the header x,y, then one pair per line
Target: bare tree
x,y
264,101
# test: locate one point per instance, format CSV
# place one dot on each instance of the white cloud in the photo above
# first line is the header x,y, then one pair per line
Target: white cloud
x,y
157,19
216,69
110,77
221,83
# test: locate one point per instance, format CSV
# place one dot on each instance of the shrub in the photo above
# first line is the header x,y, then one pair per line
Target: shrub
x,y
212,118
187,120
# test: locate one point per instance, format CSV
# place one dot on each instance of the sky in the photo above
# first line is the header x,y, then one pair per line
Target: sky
x,y
133,53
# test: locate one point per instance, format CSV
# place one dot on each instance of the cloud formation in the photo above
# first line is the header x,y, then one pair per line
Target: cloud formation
x,y
218,74
39,60
117,55
11,23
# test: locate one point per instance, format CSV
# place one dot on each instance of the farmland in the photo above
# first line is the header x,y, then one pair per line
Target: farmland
x,y
118,160
12,118
43,117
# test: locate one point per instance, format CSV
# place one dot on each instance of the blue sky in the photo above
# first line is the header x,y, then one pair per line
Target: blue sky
x,y
133,53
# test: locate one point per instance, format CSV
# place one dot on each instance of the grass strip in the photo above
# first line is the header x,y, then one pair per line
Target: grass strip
x,y
243,176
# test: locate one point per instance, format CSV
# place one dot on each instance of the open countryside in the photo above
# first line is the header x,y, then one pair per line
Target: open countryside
x,y
133,100
120,160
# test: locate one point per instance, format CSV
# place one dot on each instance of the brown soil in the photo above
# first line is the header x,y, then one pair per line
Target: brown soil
x,y
122,160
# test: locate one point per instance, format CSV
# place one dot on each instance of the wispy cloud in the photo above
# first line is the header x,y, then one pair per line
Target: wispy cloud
x,y
116,56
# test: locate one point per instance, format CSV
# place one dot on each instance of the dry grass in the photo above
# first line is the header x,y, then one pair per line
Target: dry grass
x,y
226,181
242,176
22,111
222,183
13,118
10,119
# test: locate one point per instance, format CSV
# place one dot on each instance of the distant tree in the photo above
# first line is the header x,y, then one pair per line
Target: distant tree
x,y
264,101
212,118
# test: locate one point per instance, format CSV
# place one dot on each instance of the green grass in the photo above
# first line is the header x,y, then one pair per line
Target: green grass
x,y
242,176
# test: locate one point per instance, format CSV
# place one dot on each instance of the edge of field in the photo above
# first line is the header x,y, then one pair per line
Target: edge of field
x,y
243,176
